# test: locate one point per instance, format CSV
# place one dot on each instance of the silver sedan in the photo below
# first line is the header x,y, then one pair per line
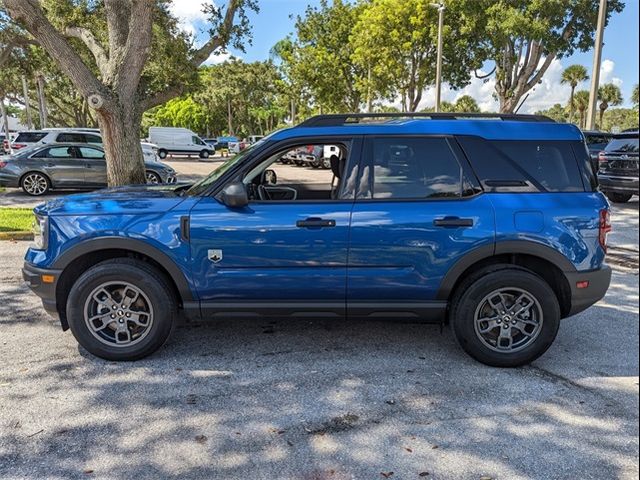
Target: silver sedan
x,y
67,166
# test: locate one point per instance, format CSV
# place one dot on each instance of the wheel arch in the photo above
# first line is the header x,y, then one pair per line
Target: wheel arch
x,y
91,252
540,259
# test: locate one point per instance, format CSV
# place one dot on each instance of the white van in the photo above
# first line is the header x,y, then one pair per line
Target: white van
x,y
181,141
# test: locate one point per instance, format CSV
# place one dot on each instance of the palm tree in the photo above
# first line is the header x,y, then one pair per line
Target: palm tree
x,y
581,99
634,96
608,94
573,75
466,103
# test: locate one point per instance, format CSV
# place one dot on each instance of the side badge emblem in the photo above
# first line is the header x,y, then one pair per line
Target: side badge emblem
x,y
214,255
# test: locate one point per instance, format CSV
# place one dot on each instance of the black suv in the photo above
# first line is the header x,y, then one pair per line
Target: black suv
x,y
618,168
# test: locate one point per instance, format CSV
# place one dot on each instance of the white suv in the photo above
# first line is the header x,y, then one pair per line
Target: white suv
x,y
62,135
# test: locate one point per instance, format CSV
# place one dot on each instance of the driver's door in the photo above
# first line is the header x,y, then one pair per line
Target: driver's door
x,y
277,256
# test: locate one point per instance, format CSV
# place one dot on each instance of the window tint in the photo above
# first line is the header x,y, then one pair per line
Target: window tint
x,y
88,152
196,141
70,138
92,138
56,152
30,137
629,145
550,164
410,168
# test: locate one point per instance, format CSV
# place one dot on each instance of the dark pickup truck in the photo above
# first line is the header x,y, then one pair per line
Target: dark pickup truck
x,y
618,168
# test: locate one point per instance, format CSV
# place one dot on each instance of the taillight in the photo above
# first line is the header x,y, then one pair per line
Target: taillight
x,y
605,228
3,164
18,146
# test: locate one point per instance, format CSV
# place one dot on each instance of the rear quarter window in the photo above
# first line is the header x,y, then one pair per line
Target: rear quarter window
x,y
527,165
30,137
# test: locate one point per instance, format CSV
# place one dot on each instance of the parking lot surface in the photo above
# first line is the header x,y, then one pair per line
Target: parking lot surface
x,y
320,399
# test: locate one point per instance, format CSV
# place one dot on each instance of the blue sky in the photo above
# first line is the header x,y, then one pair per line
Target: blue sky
x,y
620,52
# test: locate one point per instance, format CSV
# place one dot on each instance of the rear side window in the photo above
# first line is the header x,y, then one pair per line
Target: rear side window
x,y
410,168
88,152
30,137
524,165
92,138
629,145
70,138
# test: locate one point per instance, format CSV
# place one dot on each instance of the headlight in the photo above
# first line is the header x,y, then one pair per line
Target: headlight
x,y
40,232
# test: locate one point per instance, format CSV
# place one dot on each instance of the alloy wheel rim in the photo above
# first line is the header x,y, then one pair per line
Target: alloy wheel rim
x,y
152,178
35,184
508,320
118,314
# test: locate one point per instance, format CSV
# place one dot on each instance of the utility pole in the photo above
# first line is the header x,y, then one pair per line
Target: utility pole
x,y
25,93
42,103
440,7
5,118
595,74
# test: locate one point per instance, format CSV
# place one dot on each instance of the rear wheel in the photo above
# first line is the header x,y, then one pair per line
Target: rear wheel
x,y
618,197
35,184
204,154
506,317
162,153
121,309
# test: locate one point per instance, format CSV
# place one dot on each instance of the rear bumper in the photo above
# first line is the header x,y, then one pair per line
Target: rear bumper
x,y
618,184
8,180
582,298
33,276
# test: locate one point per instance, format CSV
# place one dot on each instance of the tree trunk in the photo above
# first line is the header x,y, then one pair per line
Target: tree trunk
x,y
230,125
571,106
5,119
120,127
601,116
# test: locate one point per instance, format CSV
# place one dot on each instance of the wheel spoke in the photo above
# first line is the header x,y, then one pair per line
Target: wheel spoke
x,y
140,318
105,321
123,335
106,300
129,296
505,334
491,323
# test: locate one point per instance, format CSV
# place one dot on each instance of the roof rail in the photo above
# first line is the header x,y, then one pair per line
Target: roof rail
x,y
337,119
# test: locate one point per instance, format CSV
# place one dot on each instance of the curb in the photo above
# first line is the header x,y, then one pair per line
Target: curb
x,y
16,235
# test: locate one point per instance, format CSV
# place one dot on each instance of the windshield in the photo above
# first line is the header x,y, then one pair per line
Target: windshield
x,y
628,144
206,182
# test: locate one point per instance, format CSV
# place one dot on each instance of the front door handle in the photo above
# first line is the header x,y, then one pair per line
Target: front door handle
x,y
453,222
315,222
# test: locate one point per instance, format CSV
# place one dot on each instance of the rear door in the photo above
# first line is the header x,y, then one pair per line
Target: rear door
x,y
95,166
418,210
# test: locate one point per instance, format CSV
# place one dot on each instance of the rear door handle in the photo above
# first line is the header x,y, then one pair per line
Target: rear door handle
x,y
453,222
315,222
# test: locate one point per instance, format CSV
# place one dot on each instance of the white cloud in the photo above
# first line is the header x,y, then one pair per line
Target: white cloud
x,y
189,13
216,58
606,73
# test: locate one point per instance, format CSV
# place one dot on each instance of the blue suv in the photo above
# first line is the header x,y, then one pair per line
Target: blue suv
x,y
491,223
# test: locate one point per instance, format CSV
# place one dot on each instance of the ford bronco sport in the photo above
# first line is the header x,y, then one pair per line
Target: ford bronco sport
x,y
491,223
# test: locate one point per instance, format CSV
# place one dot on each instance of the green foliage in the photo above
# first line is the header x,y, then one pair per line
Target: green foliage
x,y
557,112
464,104
182,112
608,94
634,96
397,40
573,75
581,103
619,119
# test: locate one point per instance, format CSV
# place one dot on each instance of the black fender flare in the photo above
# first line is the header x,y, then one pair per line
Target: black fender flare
x,y
526,247
133,245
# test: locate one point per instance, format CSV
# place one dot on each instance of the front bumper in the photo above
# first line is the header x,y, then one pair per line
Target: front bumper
x,y
37,280
618,184
582,298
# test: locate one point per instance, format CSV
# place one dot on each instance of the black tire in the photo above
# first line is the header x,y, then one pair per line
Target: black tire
x,y
204,154
468,299
618,197
162,153
35,184
326,164
153,285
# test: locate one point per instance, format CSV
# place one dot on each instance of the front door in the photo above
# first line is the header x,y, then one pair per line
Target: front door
x,y
286,252
95,174
417,212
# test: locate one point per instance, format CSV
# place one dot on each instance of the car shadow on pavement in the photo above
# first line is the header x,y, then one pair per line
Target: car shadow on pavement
x,y
315,399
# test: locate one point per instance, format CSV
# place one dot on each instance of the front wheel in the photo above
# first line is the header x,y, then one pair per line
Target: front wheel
x,y
506,317
121,309
153,178
618,197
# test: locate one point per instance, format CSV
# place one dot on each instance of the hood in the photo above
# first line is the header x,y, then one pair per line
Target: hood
x,y
119,200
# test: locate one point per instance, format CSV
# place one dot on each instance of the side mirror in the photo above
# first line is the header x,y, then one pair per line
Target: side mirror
x,y
235,195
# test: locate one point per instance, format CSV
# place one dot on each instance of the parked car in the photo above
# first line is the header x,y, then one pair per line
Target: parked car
x,y
618,167
596,142
223,142
179,141
495,227
212,142
311,155
41,168
89,136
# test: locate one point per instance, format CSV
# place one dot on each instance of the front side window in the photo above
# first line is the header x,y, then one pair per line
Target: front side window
x,y
196,141
306,172
410,168
92,153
